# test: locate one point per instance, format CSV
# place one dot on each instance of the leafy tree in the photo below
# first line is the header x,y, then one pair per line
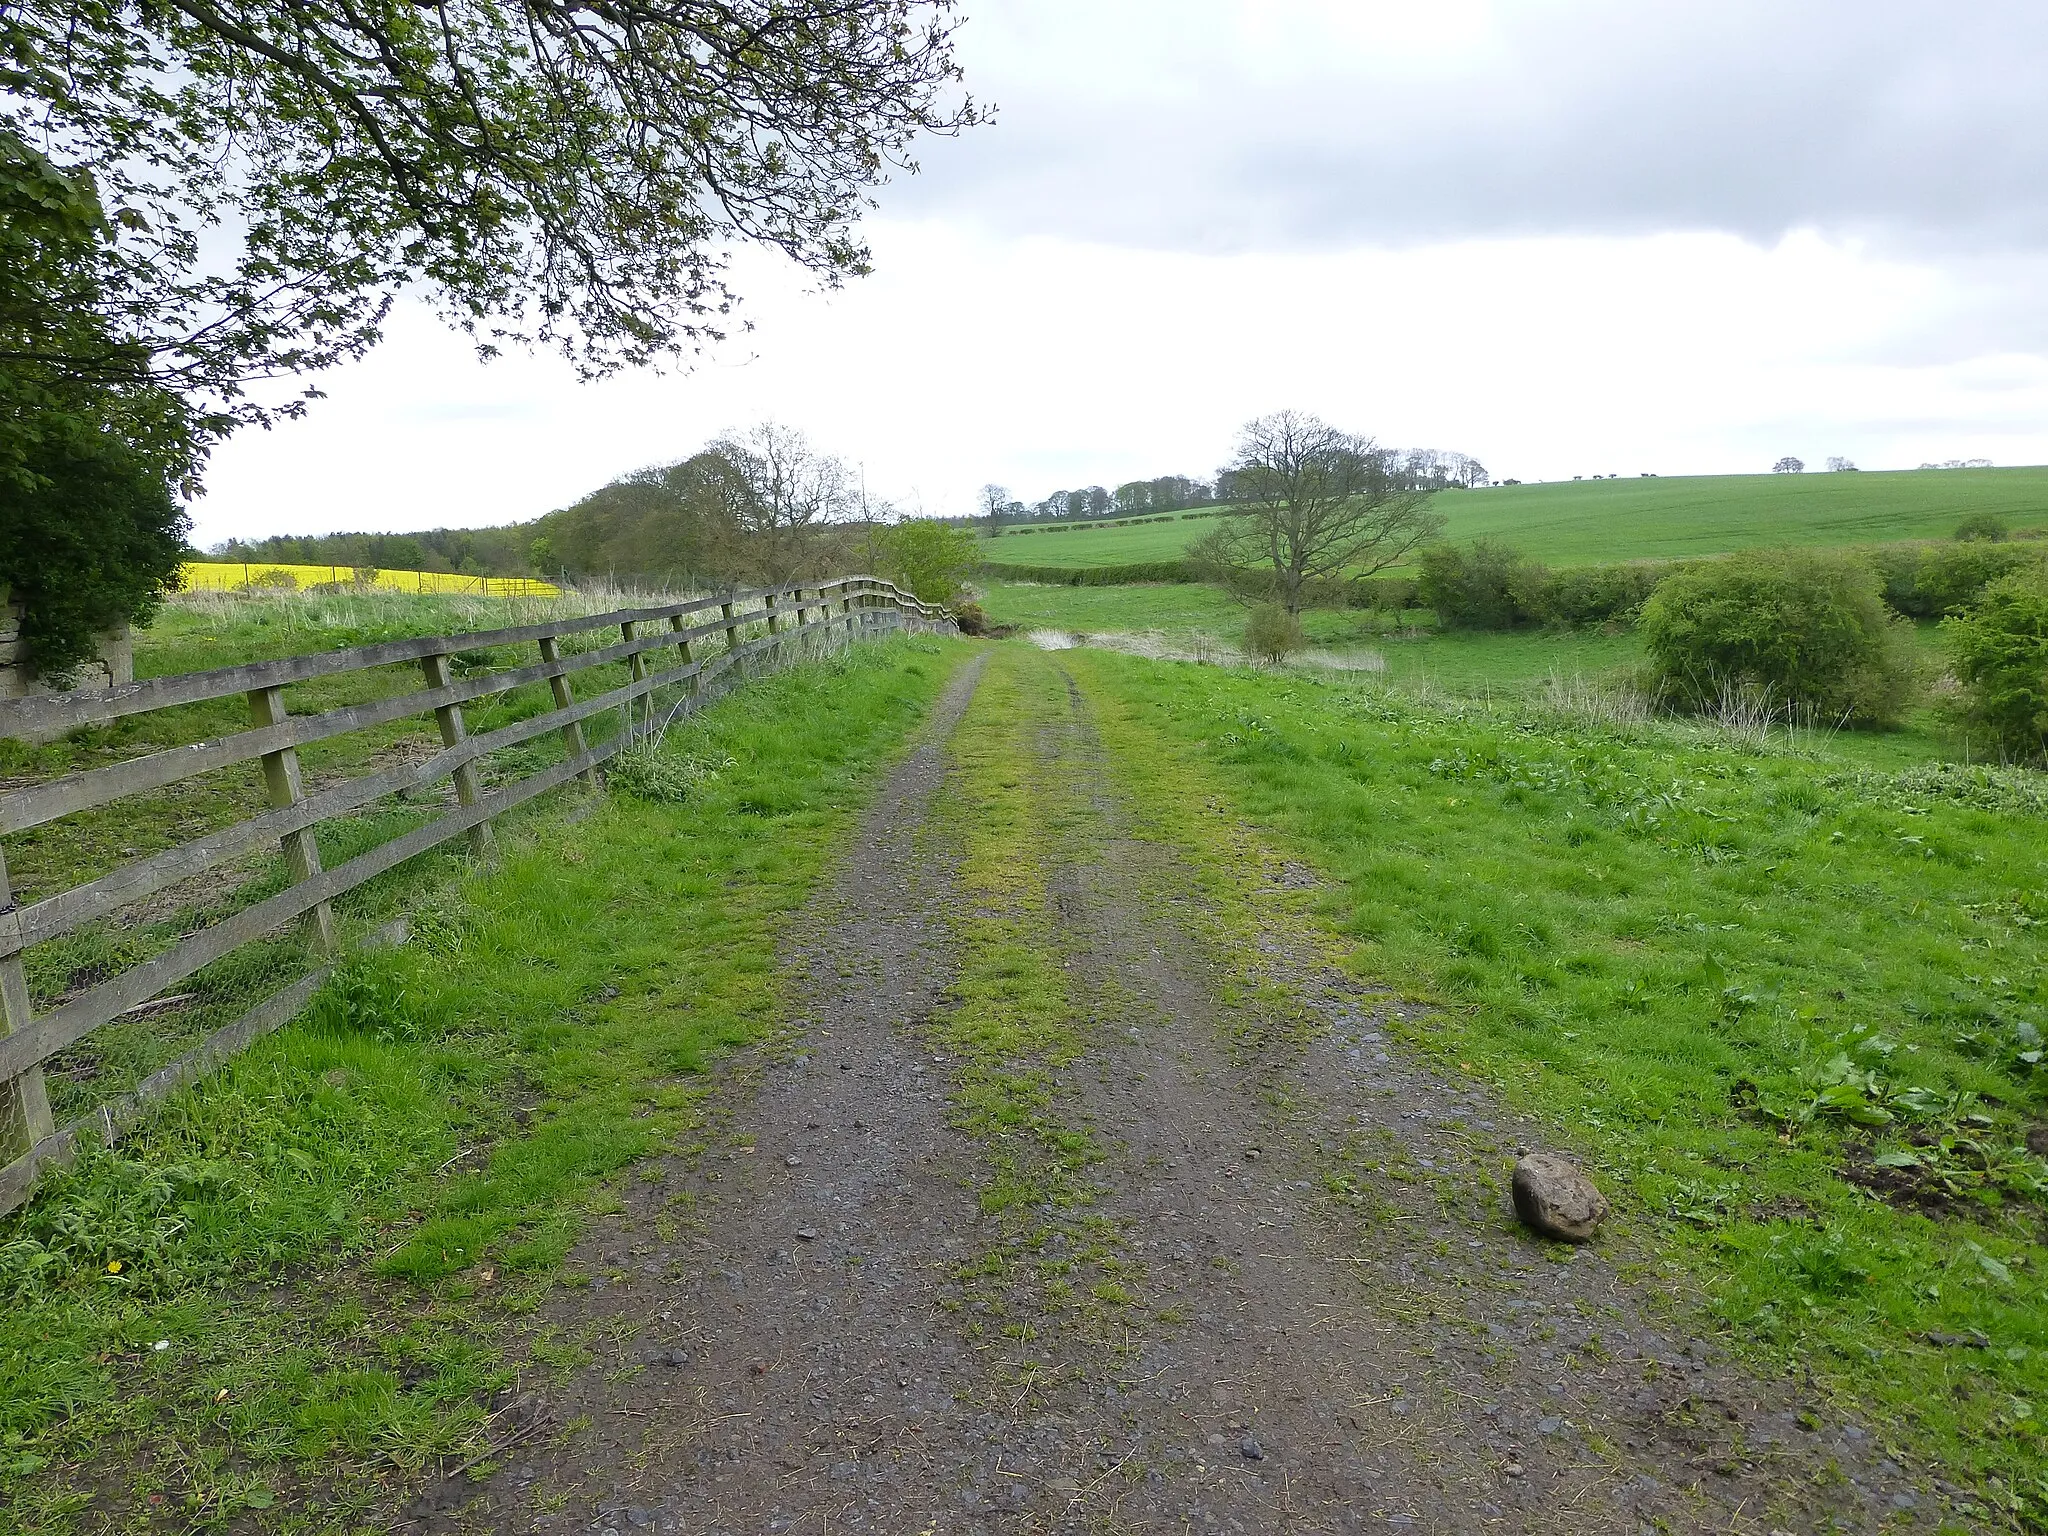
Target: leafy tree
x,y
2000,653
671,523
96,543
551,171
931,558
1311,503
1789,466
1804,629
199,194
90,445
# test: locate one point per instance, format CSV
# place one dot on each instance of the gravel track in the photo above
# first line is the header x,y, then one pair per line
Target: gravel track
x,y
1337,1326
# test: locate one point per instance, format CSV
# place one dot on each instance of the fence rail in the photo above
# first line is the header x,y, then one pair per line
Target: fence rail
x,y
717,640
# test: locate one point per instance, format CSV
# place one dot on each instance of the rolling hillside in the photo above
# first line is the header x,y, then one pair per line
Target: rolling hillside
x,y
1584,522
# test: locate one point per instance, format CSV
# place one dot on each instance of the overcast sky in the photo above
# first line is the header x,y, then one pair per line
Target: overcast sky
x,y
1564,236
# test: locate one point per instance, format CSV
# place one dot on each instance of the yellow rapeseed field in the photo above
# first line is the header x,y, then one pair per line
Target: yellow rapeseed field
x,y
237,576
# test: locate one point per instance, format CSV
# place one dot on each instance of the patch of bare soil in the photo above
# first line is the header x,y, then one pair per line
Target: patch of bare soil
x,y
1336,1323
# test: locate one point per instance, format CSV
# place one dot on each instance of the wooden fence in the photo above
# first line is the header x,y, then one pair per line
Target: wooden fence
x,y
716,641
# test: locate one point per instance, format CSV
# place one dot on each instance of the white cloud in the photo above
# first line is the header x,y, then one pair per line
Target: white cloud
x,y
1272,123
1567,236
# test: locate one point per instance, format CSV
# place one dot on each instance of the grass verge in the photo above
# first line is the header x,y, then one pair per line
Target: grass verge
x,y
306,1283
1788,1006
1015,1023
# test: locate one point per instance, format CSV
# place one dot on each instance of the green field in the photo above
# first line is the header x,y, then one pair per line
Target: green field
x,y
1591,522
1100,544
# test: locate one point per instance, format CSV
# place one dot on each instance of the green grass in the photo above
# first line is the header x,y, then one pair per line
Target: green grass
x,y
1592,522
339,1239
1730,976
197,631
1018,1017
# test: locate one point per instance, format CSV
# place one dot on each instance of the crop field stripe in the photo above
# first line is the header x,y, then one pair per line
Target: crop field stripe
x,y
244,576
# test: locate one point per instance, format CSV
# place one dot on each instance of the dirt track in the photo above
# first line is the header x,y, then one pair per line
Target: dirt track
x,y
1338,1326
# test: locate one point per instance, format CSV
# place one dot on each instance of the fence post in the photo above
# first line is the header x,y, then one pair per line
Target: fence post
x,y
565,697
732,630
768,607
636,664
449,718
24,1102
679,623
281,778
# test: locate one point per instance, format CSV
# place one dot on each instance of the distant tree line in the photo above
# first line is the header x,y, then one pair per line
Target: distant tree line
x,y
1169,493
464,551
1396,469
760,507
757,507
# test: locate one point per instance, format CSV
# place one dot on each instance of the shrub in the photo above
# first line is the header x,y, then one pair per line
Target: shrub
x,y
1931,581
1272,634
1486,585
1985,527
971,617
929,558
1383,594
1598,594
2000,652
1802,630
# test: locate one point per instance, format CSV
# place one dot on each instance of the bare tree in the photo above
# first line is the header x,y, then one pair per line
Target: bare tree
x,y
1840,466
792,491
995,505
1312,502
1467,471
